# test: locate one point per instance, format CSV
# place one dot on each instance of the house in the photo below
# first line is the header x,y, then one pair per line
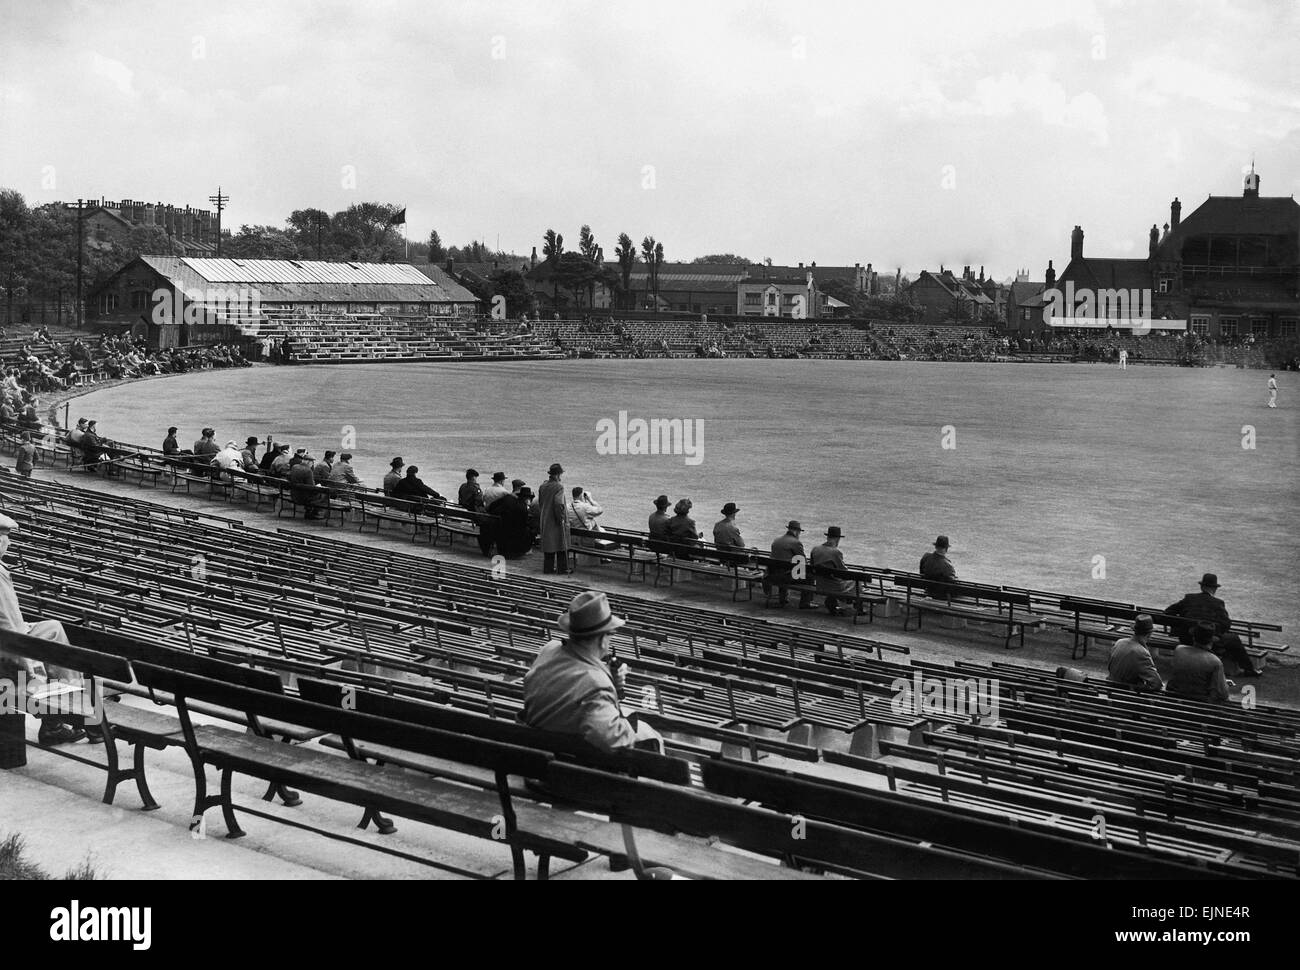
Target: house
x,y
778,291
946,299
107,222
1023,311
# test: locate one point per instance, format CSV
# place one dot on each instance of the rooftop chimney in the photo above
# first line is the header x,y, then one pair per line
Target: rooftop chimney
x,y
1076,243
451,266
1155,241
1250,188
533,260
1050,276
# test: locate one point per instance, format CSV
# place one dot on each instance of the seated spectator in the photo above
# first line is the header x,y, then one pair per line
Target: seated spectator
x,y
227,458
1205,606
342,475
321,469
726,535
411,488
829,556
495,491
534,513
681,527
393,477
303,481
1130,660
512,535
660,518
170,446
205,449
570,690
583,510
780,571
1196,673
248,457
470,496
935,566
281,462
76,438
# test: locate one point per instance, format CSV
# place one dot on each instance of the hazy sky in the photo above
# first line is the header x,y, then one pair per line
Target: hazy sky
x,y
898,134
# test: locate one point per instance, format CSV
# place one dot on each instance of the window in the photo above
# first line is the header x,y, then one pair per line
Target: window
x,y
771,299
1164,285
139,300
1259,326
1286,328
753,299
1200,325
1228,327
1024,314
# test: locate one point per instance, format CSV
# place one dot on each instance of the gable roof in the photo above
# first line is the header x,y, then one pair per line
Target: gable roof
x,y
1101,273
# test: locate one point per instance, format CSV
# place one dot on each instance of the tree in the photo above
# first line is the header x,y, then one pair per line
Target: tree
x,y
511,284
312,232
595,254
436,251
715,259
576,273
553,249
625,253
652,252
262,242
365,232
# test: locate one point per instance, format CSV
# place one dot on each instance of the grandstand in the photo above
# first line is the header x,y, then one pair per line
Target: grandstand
x,y
202,625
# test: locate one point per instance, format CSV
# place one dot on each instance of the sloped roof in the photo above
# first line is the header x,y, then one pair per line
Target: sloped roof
x,y
1022,290
1231,215
1107,273
314,281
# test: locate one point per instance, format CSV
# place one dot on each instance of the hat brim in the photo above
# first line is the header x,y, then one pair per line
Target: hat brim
x,y
613,623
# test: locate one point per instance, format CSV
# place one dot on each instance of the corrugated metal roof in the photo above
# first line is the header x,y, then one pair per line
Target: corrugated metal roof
x,y
303,271
352,282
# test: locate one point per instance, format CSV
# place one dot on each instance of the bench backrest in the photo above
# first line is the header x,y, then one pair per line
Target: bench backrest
x,y
409,710
89,662
463,749
142,651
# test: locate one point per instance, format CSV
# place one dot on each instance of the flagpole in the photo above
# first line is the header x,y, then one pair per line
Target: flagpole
x,y
405,238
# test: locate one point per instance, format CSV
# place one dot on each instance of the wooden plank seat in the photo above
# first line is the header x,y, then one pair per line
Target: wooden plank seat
x,y
966,601
1107,621
378,509
734,566
1037,846
489,815
301,498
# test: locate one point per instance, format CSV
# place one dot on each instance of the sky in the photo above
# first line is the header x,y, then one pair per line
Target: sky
x,y
903,134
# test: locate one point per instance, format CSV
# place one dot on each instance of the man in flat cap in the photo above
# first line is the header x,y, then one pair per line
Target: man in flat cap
x,y
55,729
1205,606
1130,659
570,689
1196,673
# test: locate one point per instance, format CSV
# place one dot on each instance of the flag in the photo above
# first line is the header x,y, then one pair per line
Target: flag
x,y
399,219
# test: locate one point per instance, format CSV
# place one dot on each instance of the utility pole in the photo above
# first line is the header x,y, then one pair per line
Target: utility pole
x,y
81,251
318,215
220,201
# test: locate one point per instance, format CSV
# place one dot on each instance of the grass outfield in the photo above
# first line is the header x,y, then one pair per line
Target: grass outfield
x,y
1053,465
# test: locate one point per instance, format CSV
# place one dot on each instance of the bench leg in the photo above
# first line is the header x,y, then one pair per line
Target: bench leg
x,y
233,831
543,867
141,785
384,826
286,795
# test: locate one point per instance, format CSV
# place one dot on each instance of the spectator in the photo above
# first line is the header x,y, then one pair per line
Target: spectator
x,y
25,456
303,481
553,522
512,536
170,447
780,571
205,449
569,688
936,567
75,443
342,475
1205,606
660,518
534,514
726,535
470,496
583,510
829,556
227,458
321,470
281,462
394,476
1130,660
248,457
682,530
411,488
1197,673
495,491
55,729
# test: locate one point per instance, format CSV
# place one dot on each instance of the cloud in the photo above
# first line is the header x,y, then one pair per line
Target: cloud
x,y
1008,95
114,72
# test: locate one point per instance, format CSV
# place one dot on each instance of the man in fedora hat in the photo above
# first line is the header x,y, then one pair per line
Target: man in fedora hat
x,y
1196,673
1205,606
660,518
785,549
304,486
496,490
936,567
828,556
55,729
554,522
570,690
394,475
725,533
1130,661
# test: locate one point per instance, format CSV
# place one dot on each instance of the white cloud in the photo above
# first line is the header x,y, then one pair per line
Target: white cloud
x,y
114,72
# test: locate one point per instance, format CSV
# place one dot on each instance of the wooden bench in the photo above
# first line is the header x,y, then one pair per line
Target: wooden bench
x,y
487,814
975,609
734,566
602,545
376,508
